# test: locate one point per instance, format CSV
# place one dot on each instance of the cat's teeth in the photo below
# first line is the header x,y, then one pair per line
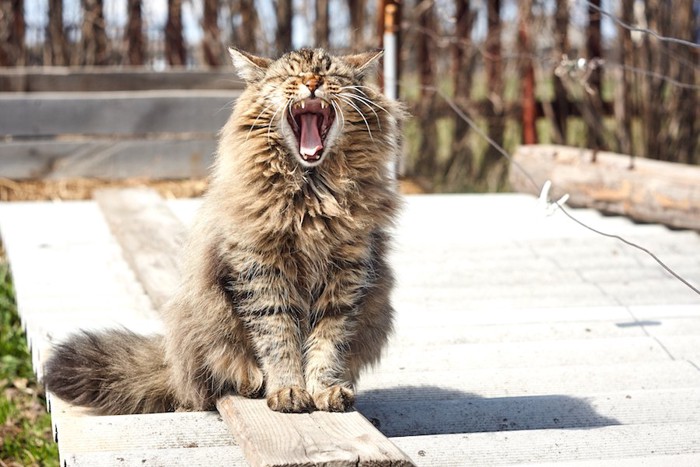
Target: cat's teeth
x,y
323,104
302,104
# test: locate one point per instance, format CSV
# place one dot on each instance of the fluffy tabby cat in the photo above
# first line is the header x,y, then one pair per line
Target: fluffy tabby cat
x,y
285,289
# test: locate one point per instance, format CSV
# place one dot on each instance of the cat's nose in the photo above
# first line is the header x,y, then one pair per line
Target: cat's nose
x,y
312,82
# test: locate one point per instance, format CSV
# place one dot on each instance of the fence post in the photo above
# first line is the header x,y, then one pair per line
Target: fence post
x,y
529,105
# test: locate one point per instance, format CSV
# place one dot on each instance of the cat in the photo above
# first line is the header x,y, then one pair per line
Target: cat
x,y
285,290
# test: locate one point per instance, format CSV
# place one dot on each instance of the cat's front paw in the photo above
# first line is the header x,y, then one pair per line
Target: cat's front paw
x,y
290,399
335,399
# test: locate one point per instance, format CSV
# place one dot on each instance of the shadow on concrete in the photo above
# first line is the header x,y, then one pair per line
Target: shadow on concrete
x,y
430,410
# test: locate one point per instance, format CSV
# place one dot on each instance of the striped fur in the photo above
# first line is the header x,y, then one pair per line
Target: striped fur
x,y
285,289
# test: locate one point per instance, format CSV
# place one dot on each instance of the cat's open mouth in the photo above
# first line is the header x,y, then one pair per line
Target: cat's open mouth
x,y
311,119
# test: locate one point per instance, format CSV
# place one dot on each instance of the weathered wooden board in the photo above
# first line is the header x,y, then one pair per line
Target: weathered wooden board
x,y
643,189
575,381
96,79
180,438
150,236
560,446
339,439
182,156
114,113
474,414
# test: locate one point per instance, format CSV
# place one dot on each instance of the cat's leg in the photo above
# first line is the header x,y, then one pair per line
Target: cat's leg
x,y
334,316
276,337
266,301
353,328
327,377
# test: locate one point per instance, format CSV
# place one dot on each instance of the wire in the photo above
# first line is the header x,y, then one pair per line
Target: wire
x,y
637,29
481,133
633,245
653,74
531,179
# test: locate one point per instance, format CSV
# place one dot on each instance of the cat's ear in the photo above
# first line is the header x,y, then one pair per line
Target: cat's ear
x,y
364,63
248,66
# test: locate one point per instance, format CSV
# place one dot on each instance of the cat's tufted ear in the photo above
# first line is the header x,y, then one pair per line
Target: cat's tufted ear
x,y
364,63
248,66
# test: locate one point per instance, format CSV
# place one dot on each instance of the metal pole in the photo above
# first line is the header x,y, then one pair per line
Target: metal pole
x,y
391,50
391,41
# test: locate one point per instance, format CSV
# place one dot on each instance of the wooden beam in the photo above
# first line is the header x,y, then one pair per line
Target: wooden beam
x,y
188,156
151,238
101,79
642,189
109,113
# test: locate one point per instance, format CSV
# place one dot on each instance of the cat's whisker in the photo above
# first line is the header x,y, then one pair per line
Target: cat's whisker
x,y
364,97
358,89
252,126
359,111
272,119
339,112
366,102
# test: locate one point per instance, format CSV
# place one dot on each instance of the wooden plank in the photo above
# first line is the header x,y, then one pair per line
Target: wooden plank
x,y
473,414
109,158
557,445
652,460
195,456
110,113
541,354
132,432
151,235
651,191
96,79
320,438
403,384
177,438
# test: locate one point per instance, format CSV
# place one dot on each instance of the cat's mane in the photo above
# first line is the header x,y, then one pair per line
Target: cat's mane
x,y
256,173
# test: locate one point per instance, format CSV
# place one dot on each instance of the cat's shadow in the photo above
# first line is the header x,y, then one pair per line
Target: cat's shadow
x,y
431,410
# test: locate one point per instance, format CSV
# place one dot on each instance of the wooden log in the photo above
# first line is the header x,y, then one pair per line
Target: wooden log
x,y
151,237
642,189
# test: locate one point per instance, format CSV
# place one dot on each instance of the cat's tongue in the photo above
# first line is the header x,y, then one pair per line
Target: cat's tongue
x,y
310,141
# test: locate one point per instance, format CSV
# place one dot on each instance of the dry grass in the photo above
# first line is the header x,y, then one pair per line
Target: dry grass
x,y
83,188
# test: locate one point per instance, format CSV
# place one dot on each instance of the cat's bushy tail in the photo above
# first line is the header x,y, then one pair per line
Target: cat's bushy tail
x,y
114,372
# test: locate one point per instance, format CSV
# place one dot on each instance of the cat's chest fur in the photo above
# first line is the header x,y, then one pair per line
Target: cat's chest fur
x,y
312,245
